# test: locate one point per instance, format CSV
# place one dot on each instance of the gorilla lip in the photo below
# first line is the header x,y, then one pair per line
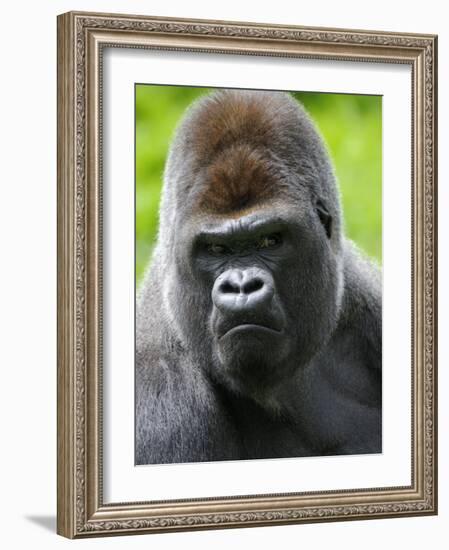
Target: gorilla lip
x,y
246,327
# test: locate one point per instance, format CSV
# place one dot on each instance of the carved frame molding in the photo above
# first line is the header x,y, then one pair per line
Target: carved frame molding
x,y
81,38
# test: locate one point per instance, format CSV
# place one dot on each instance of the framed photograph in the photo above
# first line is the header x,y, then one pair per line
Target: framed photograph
x,y
247,274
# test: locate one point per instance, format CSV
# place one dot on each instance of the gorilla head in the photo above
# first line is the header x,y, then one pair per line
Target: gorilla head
x,y
249,254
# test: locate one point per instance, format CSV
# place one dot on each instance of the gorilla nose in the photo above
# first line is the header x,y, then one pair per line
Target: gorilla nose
x,y
243,290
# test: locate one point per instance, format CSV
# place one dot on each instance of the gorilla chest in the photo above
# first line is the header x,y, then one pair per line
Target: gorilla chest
x,y
261,434
340,408
335,409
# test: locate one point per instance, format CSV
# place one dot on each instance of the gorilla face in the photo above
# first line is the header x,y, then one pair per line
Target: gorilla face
x,y
268,281
247,322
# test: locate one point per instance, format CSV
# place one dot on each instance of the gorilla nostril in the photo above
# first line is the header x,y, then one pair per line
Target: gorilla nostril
x,y
229,288
253,285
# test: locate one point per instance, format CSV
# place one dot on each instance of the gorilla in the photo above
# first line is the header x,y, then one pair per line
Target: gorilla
x,y
258,323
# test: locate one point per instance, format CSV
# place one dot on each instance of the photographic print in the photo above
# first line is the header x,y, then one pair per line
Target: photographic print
x,y
247,278
258,273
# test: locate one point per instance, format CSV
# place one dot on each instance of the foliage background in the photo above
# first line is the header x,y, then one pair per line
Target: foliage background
x,y
350,124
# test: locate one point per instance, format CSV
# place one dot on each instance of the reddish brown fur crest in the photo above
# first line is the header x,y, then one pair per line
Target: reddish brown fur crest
x,y
232,140
239,178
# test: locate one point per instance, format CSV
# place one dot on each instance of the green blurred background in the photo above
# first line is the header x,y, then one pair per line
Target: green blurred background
x,y
350,124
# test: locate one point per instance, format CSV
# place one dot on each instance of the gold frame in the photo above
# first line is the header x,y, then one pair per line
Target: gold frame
x,y
81,37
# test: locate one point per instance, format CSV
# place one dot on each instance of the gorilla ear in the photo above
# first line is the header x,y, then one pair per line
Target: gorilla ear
x,y
325,217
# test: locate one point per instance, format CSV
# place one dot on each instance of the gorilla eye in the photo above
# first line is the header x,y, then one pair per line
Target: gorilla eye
x,y
217,249
269,241
325,218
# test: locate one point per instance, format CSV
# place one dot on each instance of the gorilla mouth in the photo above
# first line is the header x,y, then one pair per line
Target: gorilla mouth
x,y
249,327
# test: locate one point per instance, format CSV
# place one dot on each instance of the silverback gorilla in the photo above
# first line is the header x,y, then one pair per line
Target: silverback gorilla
x,y
258,323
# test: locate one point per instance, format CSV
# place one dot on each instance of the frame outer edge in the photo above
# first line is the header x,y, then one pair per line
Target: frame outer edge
x,y
76,310
66,287
435,269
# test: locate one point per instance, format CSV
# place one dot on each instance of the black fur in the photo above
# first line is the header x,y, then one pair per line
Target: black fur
x,y
310,383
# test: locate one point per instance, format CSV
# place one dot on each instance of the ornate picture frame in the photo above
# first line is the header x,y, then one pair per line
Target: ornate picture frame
x,y
82,40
